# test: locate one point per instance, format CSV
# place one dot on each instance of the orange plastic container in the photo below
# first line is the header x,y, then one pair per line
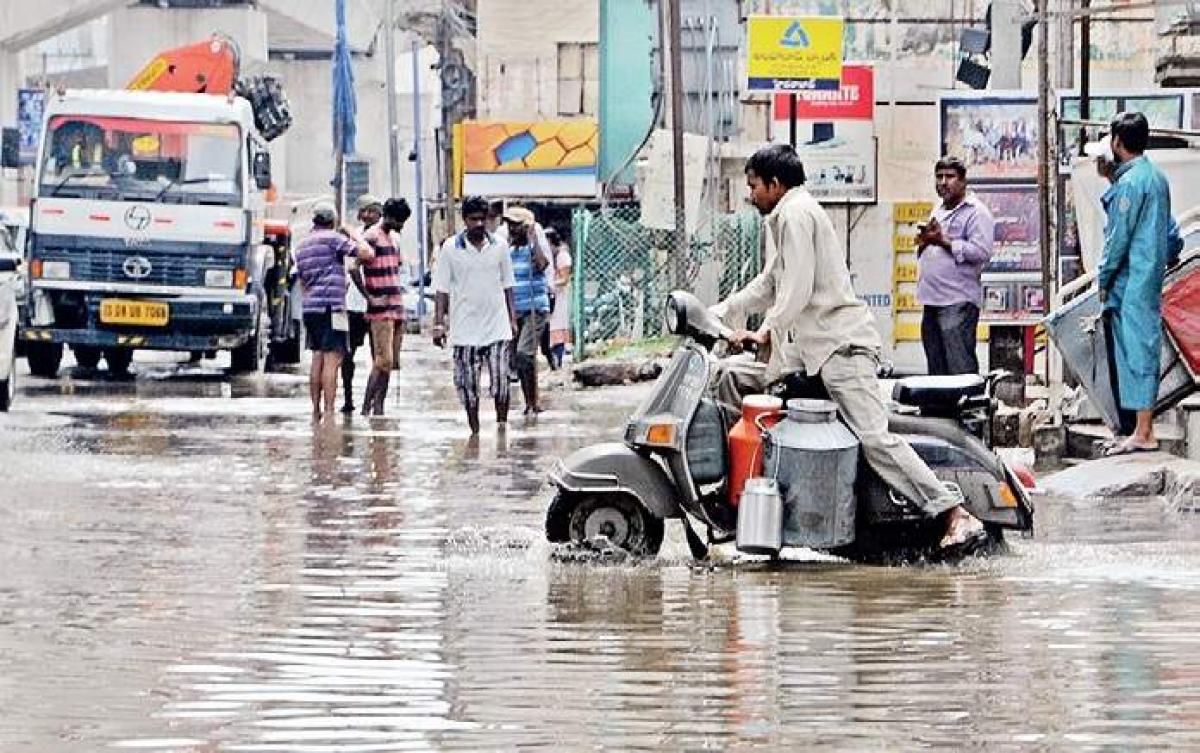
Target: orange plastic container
x,y
745,442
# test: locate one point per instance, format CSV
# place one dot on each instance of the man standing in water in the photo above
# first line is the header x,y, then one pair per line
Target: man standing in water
x,y
473,282
814,322
321,265
1137,247
385,299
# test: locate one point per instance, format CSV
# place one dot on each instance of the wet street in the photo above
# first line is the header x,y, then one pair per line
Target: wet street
x,y
189,565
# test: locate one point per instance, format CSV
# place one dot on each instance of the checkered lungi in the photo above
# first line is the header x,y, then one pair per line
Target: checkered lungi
x,y
468,364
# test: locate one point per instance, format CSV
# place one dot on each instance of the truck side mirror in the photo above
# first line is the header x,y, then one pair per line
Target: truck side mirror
x,y
262,169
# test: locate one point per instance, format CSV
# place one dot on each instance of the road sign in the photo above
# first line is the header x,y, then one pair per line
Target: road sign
x,y
794,53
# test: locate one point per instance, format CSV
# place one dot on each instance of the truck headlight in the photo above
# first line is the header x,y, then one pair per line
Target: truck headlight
x,y
218,278
56,270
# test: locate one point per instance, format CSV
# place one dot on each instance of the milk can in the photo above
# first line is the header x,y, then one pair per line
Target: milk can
x,y
760,517
814,459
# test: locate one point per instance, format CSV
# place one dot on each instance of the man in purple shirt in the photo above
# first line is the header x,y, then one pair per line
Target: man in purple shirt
x,y
952,249
321,265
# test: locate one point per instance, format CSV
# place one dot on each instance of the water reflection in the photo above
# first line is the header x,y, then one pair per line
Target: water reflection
x,y
184,571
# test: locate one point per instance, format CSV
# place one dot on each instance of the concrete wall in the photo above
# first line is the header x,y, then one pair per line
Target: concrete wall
x,y
517,53
140,33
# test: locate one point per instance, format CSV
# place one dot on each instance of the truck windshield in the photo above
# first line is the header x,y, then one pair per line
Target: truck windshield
x,y
129,159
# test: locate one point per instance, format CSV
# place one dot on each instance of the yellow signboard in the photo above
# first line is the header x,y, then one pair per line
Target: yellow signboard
x,y
794,53
911,211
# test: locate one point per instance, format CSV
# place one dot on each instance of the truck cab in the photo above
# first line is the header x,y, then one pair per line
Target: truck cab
x,y
146,230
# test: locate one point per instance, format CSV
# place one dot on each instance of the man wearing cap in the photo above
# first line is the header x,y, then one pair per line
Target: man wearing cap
x,y
473,280
531,299
321,266
370,209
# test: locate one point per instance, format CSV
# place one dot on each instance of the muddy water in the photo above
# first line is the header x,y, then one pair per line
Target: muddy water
x,y
188,565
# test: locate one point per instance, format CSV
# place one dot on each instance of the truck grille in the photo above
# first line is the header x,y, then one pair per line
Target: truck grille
x,y
165,268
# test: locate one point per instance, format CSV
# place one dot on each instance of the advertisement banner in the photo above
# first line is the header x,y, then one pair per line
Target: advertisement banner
x,y
853,100
842,169
31,105
793,53
1012,286
543,158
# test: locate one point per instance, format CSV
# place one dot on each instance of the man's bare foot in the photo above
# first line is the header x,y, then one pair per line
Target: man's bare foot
x,y
961,527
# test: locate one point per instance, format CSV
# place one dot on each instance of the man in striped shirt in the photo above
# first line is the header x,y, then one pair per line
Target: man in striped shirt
x,y
385,302
531,299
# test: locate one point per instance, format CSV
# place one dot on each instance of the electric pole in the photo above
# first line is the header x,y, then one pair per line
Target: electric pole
x,y
389,53
681,240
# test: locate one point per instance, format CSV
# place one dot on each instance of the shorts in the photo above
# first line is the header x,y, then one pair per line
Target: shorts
x,y
468,363
320,334
387,335
358,329
529,332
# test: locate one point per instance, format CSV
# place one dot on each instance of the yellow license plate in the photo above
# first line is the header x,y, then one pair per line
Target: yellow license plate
x,y
145,313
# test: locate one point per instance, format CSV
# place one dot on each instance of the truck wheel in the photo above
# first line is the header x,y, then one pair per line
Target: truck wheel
x,y
118,360
87,356
619,518
44,359
251,356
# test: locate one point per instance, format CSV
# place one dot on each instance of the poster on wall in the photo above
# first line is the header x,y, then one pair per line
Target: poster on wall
x,y
996,135
793,53
543,158
1018,228
31,106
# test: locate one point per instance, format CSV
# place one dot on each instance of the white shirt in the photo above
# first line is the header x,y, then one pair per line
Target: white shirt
x,y
475,279
804,290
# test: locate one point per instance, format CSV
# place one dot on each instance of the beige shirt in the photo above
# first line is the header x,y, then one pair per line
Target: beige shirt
x,y
804,289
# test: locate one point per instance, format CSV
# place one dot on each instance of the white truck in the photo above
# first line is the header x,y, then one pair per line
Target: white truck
x,y
146,230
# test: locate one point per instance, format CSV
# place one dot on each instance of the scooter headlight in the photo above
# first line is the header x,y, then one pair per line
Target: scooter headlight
x,y
672,316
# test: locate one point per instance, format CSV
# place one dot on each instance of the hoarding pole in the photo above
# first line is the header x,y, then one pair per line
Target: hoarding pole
x,y
681,243
1085,65
792,119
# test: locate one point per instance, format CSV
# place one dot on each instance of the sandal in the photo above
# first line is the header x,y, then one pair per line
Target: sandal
x,y
1128,448
962,531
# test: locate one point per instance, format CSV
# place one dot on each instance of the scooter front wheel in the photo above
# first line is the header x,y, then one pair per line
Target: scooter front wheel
x,y
616,520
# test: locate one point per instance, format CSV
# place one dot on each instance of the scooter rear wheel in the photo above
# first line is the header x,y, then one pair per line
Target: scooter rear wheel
x,y
619,518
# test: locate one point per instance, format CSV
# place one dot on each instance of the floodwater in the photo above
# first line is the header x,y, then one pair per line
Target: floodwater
x,y
188,565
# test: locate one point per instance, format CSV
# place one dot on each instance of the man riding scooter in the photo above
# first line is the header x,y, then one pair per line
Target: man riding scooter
x,y
814,322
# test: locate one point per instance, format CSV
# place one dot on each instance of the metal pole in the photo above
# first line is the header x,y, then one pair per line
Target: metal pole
x,y
1046,184
419,188
792,119
389,53
1085,62
447,126
677,139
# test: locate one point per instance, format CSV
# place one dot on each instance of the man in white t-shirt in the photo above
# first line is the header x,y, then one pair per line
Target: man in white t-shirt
x,y
473,281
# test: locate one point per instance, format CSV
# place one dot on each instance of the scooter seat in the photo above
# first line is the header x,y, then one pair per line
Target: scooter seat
x,y
937,393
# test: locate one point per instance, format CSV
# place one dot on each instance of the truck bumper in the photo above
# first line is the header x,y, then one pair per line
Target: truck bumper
x,y
195,322
156,341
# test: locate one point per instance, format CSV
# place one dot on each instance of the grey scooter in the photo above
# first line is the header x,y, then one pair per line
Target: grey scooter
x,y
673,462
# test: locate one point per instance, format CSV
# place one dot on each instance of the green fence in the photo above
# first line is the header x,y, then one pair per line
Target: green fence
x,y
624,271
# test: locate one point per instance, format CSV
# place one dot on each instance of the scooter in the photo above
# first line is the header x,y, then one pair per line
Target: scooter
x,y
674,463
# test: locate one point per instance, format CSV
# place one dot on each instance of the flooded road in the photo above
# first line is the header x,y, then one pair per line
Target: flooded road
x,y
189,565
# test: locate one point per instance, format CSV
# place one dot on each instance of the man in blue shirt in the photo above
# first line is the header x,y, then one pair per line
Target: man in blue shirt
x,y
531,299
1137,247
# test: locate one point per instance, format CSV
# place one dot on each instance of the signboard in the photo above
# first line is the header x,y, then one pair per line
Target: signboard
x,y
1162,109
835,137
31,105
1012,283
793,53
995,135
854,99
542,158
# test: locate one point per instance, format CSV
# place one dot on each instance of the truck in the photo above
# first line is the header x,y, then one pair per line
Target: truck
x,y
146,223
